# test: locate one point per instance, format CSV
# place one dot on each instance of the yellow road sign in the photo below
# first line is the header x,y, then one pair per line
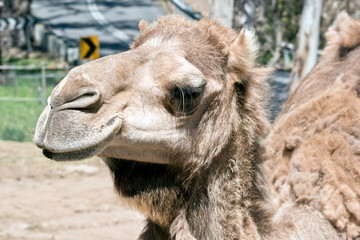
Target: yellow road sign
x,y
89,48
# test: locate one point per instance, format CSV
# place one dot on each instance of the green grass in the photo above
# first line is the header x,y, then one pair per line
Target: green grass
x,y
18,118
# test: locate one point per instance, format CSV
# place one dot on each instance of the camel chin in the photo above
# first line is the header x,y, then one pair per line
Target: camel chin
x,y
77,142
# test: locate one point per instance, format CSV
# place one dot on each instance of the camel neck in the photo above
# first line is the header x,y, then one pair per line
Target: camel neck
x,y
217,202
228,201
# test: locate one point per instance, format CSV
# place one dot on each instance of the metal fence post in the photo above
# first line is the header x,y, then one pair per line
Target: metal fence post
x,y
43,83
28,40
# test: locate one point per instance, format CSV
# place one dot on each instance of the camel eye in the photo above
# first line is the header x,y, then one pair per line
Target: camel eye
x,y
185,100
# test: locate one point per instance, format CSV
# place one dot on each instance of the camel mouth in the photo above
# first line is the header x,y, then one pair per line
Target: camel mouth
x,y
77,142
79,153
66,153
70,156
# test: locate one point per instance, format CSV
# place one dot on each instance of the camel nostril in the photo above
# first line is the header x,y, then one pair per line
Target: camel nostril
x,y
85,99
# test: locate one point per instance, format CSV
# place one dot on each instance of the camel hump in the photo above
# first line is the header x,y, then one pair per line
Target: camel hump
x,y
312,153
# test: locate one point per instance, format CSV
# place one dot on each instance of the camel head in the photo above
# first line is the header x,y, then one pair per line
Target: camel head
x,y
180,91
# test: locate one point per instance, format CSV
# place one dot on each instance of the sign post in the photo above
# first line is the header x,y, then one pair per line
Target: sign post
x,y
89,48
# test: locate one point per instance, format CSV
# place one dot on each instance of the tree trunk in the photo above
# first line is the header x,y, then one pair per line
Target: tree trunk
x,y
223,11
244,13
278,39
307,42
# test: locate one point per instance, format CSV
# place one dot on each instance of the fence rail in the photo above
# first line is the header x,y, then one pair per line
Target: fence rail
x,y
19,99
40,75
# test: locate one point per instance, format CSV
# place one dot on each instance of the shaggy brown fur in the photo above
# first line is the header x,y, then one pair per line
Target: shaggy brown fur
x,y
313,151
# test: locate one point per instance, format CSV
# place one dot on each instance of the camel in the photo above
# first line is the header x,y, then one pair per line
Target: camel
x,y
179,120
312,152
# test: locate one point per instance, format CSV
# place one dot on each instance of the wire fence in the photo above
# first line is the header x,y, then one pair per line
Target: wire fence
x,y
23,95
33,78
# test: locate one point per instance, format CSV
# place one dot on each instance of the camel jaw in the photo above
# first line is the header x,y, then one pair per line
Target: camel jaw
x,y
70,143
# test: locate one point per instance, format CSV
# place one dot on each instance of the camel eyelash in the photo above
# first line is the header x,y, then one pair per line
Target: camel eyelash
x,y
186,99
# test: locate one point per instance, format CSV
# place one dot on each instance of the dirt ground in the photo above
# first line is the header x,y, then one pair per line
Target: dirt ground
x,y
42,199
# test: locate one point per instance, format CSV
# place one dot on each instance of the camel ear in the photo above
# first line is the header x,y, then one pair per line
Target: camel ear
x,y
243,52
248,78
142,25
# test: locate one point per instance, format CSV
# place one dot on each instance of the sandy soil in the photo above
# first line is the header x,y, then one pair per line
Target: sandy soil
x,y
41,199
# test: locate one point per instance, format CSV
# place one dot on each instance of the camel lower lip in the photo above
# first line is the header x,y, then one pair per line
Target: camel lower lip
x,y
75,146
47,153
70,156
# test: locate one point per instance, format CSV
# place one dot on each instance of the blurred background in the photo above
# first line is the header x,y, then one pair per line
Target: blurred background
x,y
41,40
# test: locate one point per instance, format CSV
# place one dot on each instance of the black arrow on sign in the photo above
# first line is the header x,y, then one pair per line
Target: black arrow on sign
x,y
91,45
